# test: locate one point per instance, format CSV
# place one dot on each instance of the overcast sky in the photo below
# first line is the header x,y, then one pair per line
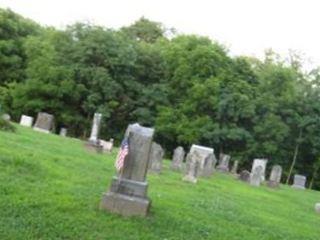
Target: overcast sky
x,y
245,26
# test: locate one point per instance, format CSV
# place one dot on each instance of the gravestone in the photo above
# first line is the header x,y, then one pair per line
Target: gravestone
x,y
275,176
203,152
44,122
26,121
317,208
192,166
156,156
299,181
209,163
244,176
234,169
128,192
93,144
6,117
177,160
224,160
63,132
256,176
263,164
107,146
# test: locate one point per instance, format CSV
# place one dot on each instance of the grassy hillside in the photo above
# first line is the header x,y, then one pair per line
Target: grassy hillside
x,y
50,188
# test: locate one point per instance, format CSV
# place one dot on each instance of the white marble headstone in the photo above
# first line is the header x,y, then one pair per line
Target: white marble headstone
x,y
26,121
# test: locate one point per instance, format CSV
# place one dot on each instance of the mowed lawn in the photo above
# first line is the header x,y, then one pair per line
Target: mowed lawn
x,y
50,188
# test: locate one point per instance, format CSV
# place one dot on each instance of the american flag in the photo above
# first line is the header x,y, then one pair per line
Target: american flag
x,y
123,152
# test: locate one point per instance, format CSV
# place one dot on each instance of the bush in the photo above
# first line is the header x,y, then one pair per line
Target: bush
x,y
6,125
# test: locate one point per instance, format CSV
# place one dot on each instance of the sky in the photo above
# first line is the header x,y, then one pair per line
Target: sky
x,y
246,27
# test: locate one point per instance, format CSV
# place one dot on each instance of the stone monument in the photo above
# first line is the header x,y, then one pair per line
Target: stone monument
x,y
244,176
263,164
44,122
203,152
107,146
156,156
256,176
299,181
224,160
234,169
317,208
177,160
193,162
128,192
275,176
93,144
26,121
63,132
209,164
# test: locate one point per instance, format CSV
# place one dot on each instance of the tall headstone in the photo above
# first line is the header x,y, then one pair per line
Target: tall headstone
x,y
203,153
156,156
299,181
93,144
63,132
26,121
193,163
177,160
275,176
263,164
244,176
209,163
128,192
44,122
235,165
94,136
224,160
256,176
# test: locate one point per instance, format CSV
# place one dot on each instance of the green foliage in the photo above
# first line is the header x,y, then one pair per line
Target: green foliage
x,y
51,189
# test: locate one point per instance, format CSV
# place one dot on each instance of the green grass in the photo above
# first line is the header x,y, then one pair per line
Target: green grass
x,y
50,188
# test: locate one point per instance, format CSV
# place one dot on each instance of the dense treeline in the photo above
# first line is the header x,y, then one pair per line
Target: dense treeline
x,y
187,86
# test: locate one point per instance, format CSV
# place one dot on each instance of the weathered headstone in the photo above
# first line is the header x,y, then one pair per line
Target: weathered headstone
x,y
299,181
44,122
177,160
63,132
107,146
224,160
317,208
209,163
275,176
156,156
193,163
93,144
245,176
6,117
263,164
203,153
256,176
234,169
26,121
128,192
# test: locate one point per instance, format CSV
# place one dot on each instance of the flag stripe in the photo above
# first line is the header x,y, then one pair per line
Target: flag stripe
x,y
123,152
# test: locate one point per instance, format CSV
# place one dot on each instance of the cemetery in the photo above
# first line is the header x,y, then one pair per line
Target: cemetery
x,y
54,188
142,132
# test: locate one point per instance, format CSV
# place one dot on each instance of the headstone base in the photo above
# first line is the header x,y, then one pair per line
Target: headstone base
x,y
273,184
298,187
222,169
191,179
93,147
125,205
41,130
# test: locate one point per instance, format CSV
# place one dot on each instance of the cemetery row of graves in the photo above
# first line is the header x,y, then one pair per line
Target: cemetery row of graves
x,y
128,191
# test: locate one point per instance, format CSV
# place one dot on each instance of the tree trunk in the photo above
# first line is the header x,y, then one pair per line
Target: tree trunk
x,y
294,159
